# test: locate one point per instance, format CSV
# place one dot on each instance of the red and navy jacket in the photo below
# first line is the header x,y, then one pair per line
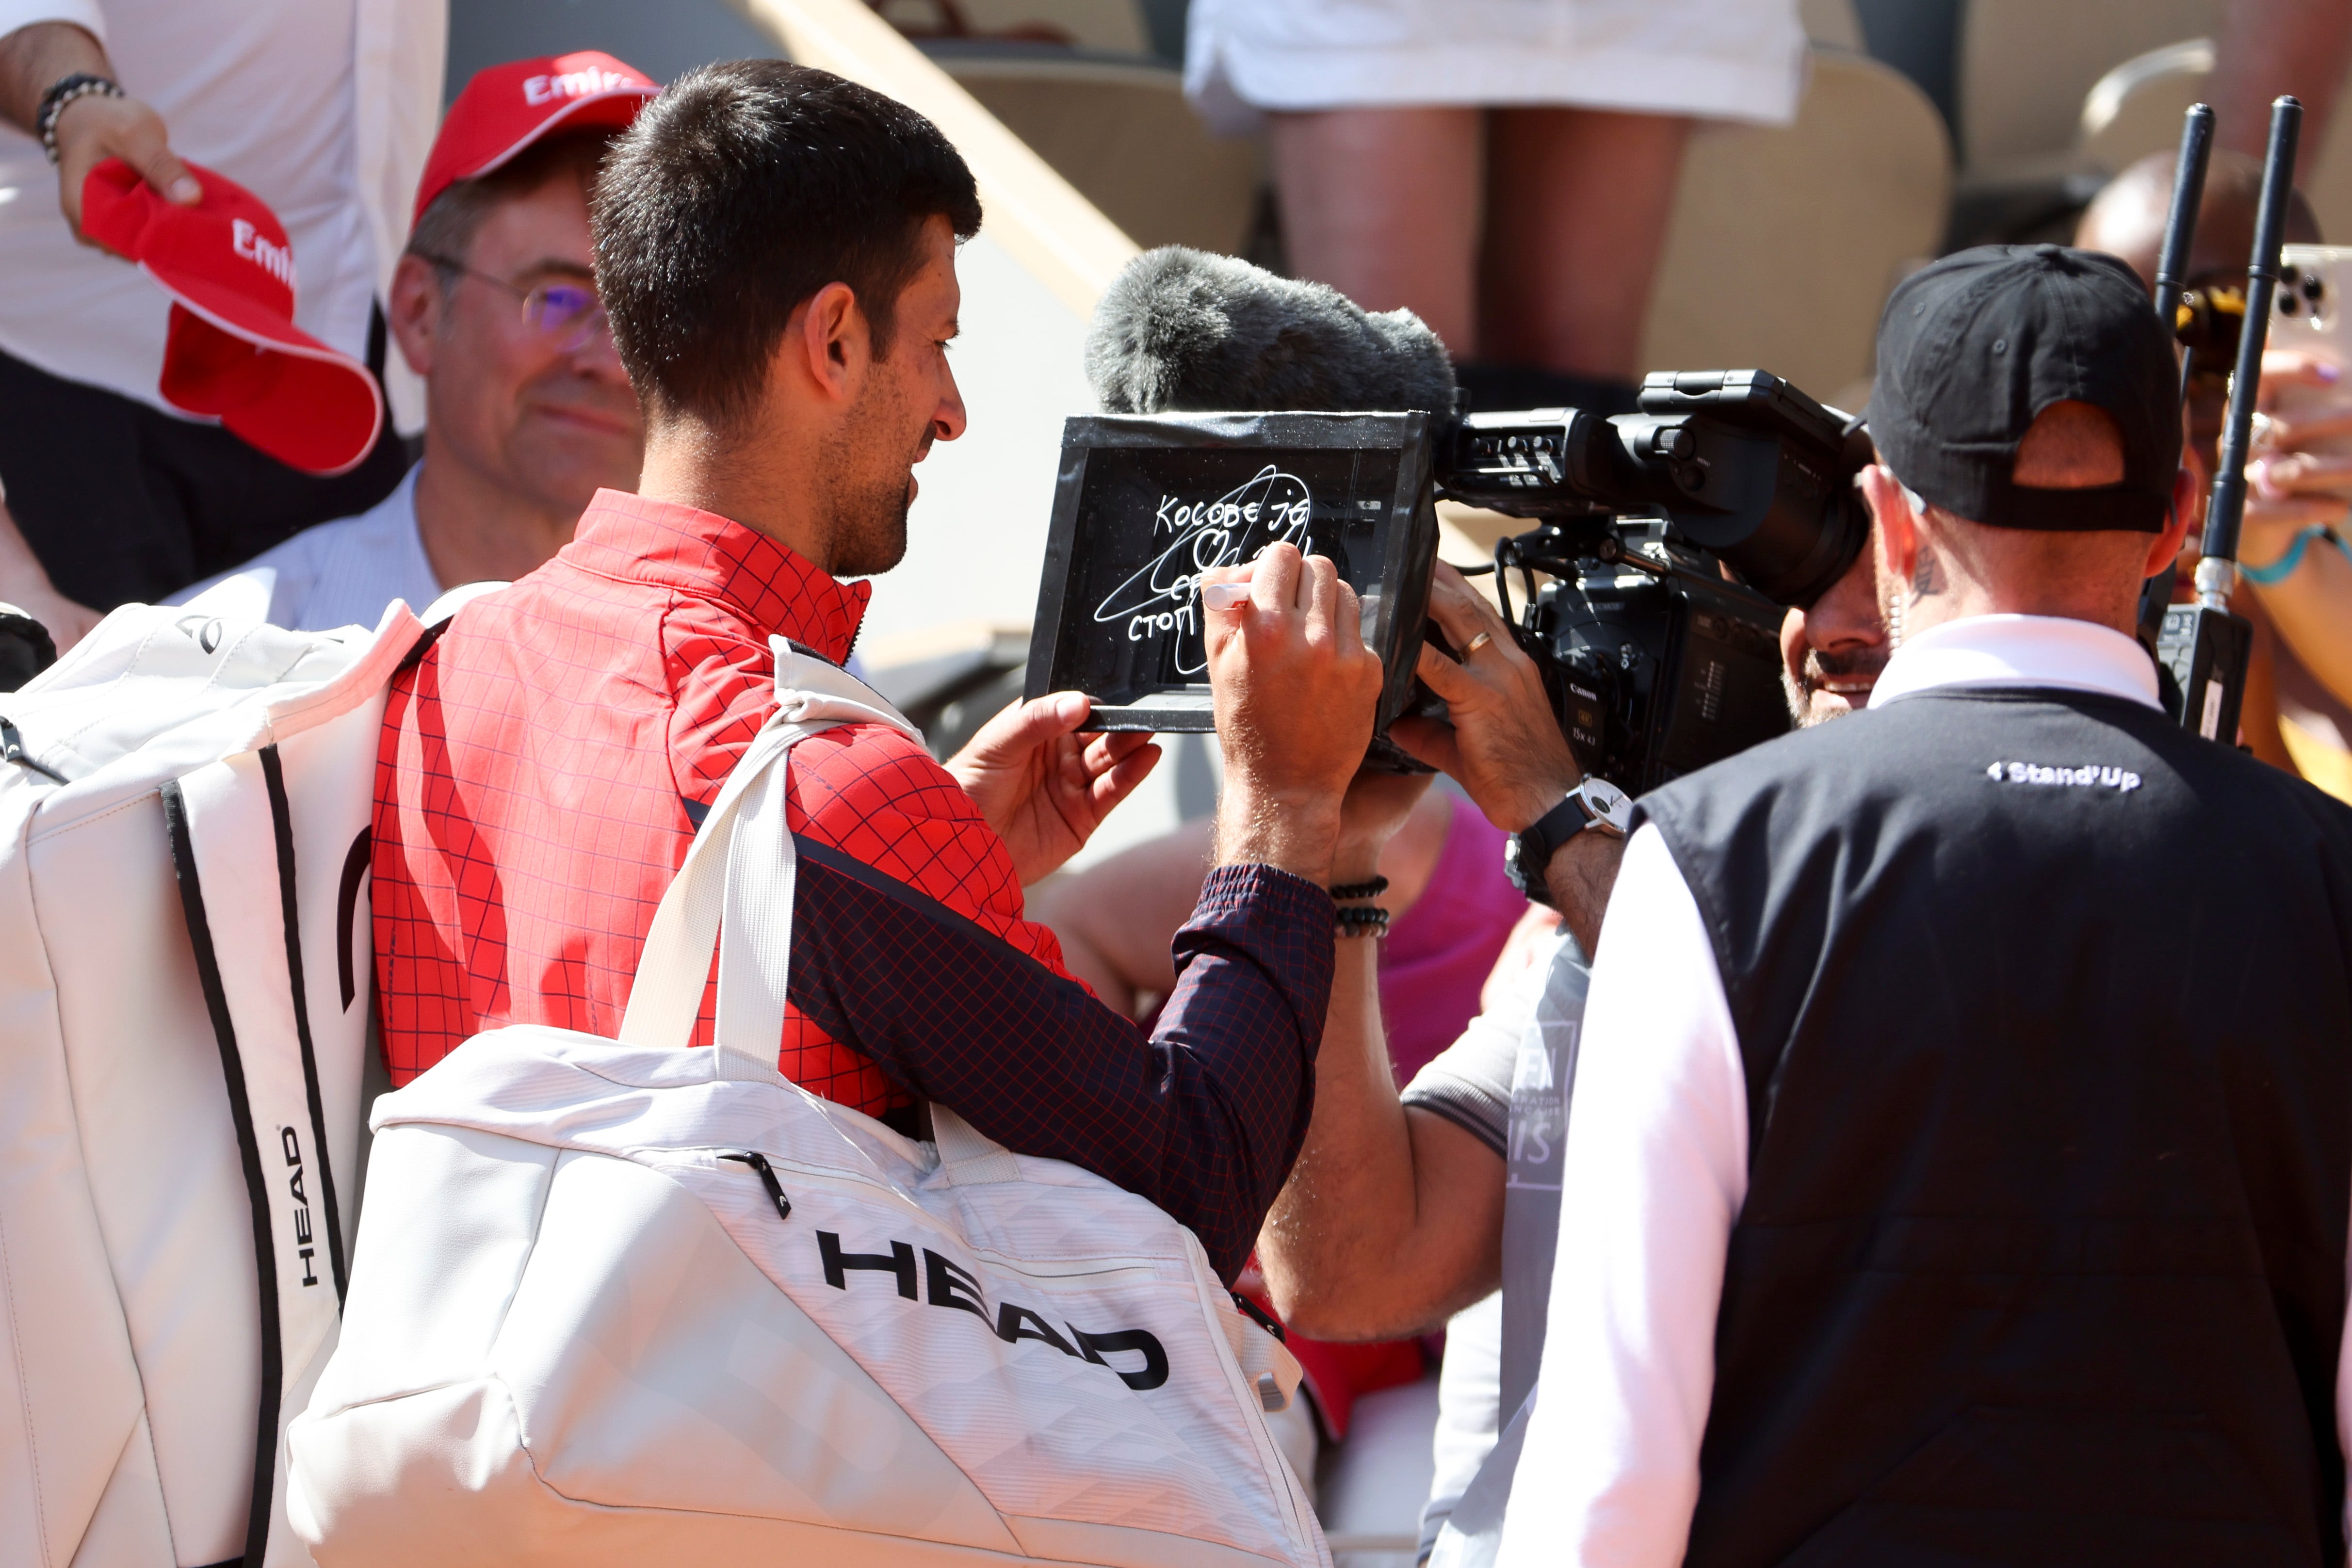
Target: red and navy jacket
x,y
540,773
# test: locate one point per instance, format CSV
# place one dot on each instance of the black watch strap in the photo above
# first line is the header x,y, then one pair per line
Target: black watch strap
x,y
1529,851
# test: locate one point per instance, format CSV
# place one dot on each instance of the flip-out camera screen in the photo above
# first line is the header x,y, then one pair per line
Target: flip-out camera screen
x,y
1146,504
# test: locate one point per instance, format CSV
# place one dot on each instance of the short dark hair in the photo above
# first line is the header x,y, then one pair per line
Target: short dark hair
x,y
445,231
742,190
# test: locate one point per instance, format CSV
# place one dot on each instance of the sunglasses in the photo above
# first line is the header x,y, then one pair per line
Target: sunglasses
x,y
569,315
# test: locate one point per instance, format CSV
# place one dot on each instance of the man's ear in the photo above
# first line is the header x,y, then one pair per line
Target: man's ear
x,y
828,341
1895,535
1793,643
2167,545
417,306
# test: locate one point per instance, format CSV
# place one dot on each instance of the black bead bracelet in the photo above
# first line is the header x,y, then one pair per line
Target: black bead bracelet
x,y
66,90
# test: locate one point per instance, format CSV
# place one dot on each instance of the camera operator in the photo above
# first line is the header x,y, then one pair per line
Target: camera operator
x,y
1967,1081
776,247
1408,1208
1831,652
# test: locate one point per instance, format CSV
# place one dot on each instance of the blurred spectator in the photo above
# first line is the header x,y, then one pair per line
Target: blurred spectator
x,y
527,411
2294,549
2298,640
1505,168
2270,47
323,109
2128,219
1450,911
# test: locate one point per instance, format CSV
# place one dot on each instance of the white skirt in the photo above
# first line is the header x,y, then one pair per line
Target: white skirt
x,y
1714,59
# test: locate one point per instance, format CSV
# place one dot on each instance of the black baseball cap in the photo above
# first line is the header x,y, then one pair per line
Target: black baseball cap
x,y
1974,347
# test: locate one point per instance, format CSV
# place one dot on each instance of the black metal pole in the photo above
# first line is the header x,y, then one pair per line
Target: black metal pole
x,y
2181,225
2171,280
2217,572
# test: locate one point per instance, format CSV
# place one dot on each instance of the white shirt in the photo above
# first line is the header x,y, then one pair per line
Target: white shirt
x,y
1610,1475
1520,1048
323,109
342,574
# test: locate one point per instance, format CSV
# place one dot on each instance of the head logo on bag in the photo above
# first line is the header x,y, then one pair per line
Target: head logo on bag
x,y
953,1285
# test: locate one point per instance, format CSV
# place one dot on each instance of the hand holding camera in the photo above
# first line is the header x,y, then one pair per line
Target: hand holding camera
x,y
1503,744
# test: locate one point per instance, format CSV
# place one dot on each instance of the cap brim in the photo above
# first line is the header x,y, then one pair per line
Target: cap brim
x,y
271,384
615,108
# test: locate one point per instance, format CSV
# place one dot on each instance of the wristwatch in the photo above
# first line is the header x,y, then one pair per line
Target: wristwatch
x,y
1595,804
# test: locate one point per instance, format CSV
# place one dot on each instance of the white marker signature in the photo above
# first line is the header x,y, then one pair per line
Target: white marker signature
x,y
1163,595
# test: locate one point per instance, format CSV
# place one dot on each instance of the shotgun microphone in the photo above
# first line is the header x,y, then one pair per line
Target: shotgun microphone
x,y
1183,332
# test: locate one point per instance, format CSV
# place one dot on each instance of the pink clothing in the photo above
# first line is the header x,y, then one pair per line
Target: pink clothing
x,y
1437,955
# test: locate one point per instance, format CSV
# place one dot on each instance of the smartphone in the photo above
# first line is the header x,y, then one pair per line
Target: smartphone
x,y
2312,314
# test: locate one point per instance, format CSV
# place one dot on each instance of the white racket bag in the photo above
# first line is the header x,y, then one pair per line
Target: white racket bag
x,y
627,1302
185,994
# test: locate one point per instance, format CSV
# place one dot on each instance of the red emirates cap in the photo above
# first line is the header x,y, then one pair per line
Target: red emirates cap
x,y
507,108
233,351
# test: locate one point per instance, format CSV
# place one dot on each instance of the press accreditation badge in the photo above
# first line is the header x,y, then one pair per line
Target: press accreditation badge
x,y
1540,1080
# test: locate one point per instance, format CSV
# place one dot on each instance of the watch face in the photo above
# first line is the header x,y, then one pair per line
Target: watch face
x,y
1609,804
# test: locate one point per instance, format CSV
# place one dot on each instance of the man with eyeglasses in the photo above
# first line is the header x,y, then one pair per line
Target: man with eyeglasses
x,y
527,411
321,109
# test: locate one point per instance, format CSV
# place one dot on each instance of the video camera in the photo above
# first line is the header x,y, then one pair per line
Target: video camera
x,y
1658,660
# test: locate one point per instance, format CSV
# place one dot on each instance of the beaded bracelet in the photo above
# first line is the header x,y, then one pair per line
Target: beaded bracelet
x,y
80,84
1348,890
1360,920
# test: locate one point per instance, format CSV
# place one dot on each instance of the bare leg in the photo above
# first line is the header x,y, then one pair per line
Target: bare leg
x,y
1383,204
1577,207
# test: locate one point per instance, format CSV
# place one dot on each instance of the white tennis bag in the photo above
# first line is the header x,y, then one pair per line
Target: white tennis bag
x,y
184,802
631,1304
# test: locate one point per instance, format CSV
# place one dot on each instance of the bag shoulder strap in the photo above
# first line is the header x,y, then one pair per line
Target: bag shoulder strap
x,y
803,676
969,1157
734,893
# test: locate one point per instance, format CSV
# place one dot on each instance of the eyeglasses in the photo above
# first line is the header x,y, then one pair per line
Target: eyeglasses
x,y
569,314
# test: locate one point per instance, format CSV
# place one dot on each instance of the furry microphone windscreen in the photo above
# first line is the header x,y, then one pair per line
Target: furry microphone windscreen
x,y
1184,332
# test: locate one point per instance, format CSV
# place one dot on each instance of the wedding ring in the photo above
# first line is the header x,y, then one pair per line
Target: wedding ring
x,y
1480,641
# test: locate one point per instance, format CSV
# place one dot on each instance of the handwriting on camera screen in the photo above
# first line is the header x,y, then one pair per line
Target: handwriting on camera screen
x,y
1162,596
1148,520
